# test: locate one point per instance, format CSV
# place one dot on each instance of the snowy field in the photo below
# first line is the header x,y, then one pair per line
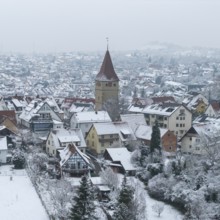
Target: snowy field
x,y
169,213
19,200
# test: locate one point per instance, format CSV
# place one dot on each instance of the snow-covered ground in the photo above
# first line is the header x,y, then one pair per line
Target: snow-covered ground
x,y
19,199
169,213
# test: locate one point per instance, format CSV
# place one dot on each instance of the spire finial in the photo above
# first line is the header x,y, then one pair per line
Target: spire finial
x,y
107,42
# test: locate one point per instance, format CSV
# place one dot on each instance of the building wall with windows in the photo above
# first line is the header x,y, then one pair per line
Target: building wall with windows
x,y
180,121
105,91
191,143
98,143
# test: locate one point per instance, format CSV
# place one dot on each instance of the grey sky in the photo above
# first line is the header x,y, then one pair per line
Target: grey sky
x,y
68,25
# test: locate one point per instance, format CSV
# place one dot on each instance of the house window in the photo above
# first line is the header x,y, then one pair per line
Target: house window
x,y
53,151
177,118
177,125
190,138
176,132
182,111
180,118
197,140
165,125
197,148
181,125
111,136
183,118
190,146
152,116
165,118
48,142
170,148
93,143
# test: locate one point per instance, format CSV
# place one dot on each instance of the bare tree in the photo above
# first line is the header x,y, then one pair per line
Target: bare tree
x,y
61,194
139,207
158,208
210,146
110,178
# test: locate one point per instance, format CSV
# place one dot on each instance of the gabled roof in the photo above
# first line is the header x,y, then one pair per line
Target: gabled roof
x,y
134,120
107,72
10,114
144,132
67,136
91,117
121,155
105,128
124,131
69,151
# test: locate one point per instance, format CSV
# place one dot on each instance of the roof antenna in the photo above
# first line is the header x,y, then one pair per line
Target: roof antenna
x,y
107,42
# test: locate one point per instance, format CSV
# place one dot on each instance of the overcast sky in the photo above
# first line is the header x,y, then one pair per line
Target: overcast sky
x,y
69,25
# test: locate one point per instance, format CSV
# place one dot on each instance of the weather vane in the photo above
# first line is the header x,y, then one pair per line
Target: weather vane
x,y
107,42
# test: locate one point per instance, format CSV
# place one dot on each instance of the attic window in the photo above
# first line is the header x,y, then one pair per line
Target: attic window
x,y
182,111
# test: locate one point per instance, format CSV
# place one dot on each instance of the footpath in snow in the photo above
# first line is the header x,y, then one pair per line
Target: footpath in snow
x,y
19,200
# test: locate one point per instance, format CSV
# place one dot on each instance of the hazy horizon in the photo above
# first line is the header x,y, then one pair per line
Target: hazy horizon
x,y
83,25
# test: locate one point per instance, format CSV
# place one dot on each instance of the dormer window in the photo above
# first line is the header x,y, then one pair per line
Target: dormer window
x,y
78,143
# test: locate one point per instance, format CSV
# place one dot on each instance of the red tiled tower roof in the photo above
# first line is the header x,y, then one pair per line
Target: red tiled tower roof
x,y
107,72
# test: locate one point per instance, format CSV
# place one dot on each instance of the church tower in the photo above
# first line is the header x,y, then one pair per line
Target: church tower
x,y
107,88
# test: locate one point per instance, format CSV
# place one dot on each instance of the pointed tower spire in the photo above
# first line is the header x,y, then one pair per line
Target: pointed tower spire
x,y
107,42
107,72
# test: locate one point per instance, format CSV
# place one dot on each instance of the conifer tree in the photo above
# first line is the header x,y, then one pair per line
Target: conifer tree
x,y
83,207
125,203
155,138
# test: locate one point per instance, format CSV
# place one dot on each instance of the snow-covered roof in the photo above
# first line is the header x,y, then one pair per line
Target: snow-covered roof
x,y
134,120
122,155
158,109
66,153
67,136
96,180
124,131
31,110
17,103
3,143
144,132
105,128
93,116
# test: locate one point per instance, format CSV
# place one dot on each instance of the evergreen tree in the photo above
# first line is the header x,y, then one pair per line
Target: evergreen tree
x,y
18,160
125,203
155,138
83,207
